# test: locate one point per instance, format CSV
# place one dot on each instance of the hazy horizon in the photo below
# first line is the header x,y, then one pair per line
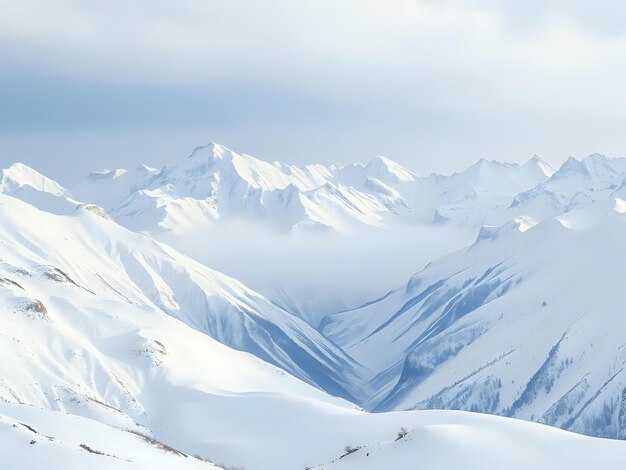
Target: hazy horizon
x,y
434,85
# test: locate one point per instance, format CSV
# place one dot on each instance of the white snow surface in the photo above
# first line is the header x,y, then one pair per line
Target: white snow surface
x,y
445,440
88,354
37,438
107,330
216,183
526,322
88,250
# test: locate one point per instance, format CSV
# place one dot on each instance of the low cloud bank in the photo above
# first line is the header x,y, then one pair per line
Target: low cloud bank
x,y
315,274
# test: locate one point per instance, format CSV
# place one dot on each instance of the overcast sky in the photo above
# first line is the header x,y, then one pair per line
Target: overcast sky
x,y
434,84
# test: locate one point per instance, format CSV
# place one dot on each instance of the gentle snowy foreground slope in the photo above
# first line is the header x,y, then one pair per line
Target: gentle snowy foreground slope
x,y
35,438
448,440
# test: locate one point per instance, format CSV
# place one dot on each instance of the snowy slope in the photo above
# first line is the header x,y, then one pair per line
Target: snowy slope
x,y
482,192
575,184
36,438
22,182
118,330
527,323
108,188
462,440
89,250
83,335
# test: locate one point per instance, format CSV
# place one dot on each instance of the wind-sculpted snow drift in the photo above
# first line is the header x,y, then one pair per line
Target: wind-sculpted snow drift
x,y
157,358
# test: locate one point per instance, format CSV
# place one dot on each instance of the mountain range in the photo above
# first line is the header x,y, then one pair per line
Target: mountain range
x,y
115,326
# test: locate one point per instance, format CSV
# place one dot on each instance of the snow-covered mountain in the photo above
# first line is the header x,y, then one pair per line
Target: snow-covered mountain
x,y
527,322
106,363
99,323
22,182
118,351
87,249
486,189
575,184
216,183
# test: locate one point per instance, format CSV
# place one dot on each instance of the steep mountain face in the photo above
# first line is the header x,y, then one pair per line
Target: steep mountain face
x,y
524,323
88,250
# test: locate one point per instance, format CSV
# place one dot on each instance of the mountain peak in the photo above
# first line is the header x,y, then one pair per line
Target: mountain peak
x,y
479,168
598,169
21,169
212,150
537,161
20,174
569,166
204,161
380,160
596,161
380,165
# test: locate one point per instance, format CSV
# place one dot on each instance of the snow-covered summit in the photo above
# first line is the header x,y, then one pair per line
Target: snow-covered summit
x,y
542,165
27,184
19,175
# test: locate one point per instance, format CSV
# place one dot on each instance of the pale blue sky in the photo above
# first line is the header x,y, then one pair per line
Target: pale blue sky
x,y
432,84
